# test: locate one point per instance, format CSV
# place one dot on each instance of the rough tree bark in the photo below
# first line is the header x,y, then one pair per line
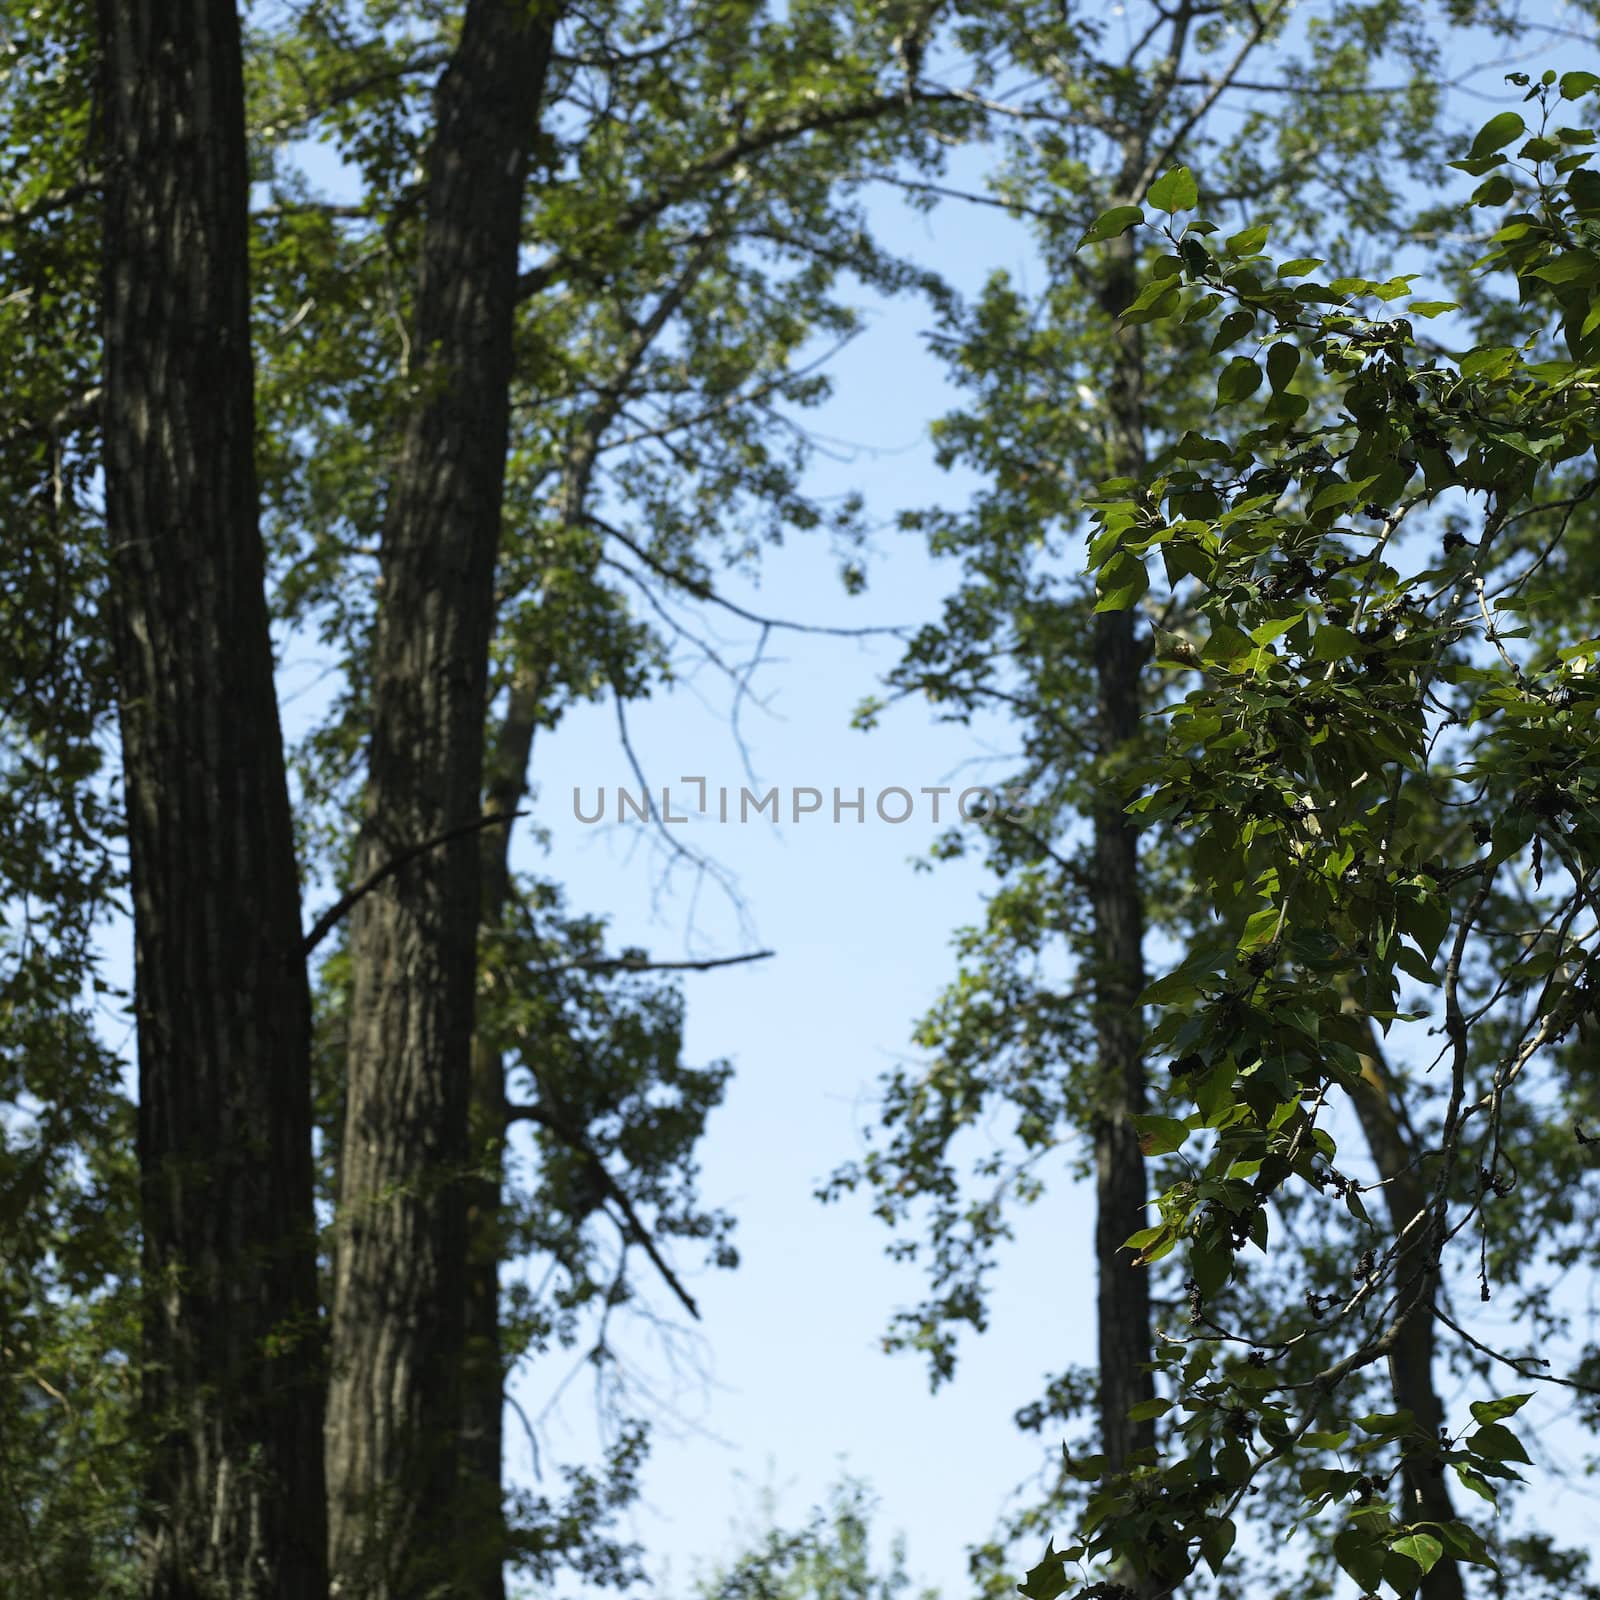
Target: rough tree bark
x,y
1406,1194
395,1395
231,1390
1121,1186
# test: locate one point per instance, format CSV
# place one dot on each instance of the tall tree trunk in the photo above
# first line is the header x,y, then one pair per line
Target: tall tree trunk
x,y
1405,1191
395,1397
231,1390
483,1400
1121,1190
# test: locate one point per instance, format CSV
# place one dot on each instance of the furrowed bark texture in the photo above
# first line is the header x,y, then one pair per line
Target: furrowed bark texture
x,y
395,1396
232,1401
1406,1194
1120,1180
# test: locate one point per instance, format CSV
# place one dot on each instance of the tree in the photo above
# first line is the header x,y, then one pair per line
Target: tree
x,y
1066,387
1391,717
830,1558
233,1497
650,231
399,1300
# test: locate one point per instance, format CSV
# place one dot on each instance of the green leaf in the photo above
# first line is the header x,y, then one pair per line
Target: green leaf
x,y
1259,928
1360,1555
1227,643
1422,1548
1495,190
1495,1442
1268,631
1576,266
1283,361
1476,166
1122,581
1233,328
1498,1410
1388,1424
1337,493
1146,1409
1333,643
1174,192
1414,965
1497,133
1300,266
1575,85
1049,1579
1238,381
1162,305
1160,1136
1112,224
1210,1266
1247,241
1216,1540
1431,308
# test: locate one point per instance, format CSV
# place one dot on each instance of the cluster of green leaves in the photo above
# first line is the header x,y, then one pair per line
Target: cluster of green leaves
x,y
690,220
1387,773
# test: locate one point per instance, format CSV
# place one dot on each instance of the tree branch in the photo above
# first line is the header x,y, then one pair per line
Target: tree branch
x,y
644,964
647,208
330,919
703,591
544,1114
54,200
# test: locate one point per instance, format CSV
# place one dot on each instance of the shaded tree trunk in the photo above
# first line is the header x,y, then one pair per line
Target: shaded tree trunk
x,y
1121,1186
1406,1194
231,1386
395,1397
1117,896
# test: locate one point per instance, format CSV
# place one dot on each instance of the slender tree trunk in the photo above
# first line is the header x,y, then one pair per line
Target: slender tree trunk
x,y
483,1403
232,1371
1121,1185
395,1398
1405,1191
1121,1189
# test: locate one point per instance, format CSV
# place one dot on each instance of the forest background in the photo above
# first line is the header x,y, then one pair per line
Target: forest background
x,y
785,1373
